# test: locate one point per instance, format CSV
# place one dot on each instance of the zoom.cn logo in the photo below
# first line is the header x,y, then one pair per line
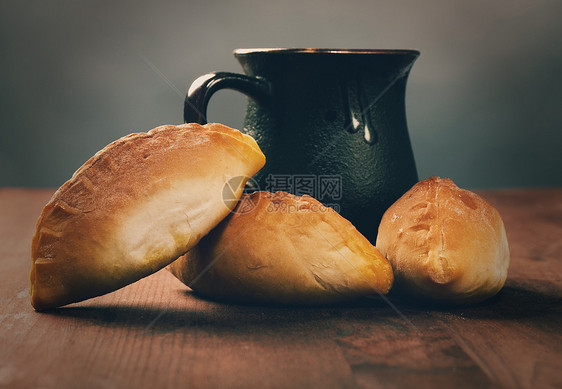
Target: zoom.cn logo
x,y
233,189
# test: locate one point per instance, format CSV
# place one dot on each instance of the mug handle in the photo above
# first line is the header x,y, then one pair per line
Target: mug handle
x,y
201,90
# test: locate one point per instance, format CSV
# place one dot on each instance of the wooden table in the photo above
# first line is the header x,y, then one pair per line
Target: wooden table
x,y
155,333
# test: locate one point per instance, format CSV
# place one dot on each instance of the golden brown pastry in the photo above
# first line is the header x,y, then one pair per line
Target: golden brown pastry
x,y
445,243
136,205
285,249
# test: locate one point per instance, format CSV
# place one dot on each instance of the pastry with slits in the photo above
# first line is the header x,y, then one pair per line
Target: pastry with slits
x,y
444,243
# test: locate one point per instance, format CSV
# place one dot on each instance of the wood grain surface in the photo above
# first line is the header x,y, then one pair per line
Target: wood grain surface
x,y
156,333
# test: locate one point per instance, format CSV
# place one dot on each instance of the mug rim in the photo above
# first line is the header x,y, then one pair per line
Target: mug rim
x,y
281,50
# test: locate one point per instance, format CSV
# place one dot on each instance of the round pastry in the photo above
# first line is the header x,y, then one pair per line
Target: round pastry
x,y
445,243
134,207
284,249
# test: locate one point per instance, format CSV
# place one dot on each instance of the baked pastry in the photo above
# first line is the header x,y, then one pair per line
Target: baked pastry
x,y
284,249
445,243
135,206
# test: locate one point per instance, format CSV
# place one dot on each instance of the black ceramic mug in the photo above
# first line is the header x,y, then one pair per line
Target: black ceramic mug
x,y
330,122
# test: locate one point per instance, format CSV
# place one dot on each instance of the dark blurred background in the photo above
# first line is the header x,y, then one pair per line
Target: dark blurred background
x,y
483,100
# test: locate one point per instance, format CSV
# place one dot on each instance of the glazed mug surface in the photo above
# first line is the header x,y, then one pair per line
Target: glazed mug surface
x,y
331,123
